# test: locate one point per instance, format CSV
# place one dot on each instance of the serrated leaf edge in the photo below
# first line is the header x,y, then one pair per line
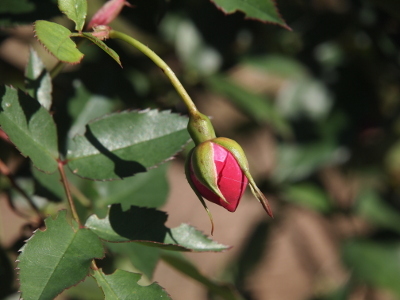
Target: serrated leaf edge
x,y
160,243
34,232
284,25
44,46
141,275
128,111
40,145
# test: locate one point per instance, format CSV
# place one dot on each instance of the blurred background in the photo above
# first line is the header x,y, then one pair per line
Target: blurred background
x,y
316,109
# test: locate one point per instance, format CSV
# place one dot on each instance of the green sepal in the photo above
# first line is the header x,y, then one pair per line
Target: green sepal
x,y
189,179
204,168
236,150
200,128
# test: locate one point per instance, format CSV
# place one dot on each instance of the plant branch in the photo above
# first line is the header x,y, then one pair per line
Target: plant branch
x,y
57,69
65,183
161,64
7,172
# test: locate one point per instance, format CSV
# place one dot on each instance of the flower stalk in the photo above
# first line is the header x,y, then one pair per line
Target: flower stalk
x,y
192,110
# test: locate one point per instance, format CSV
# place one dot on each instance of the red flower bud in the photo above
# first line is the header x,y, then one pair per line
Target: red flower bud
x,y
217,168
107,13
231,180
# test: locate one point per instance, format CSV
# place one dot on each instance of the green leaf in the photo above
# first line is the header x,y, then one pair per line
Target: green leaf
x,y
299,161
16,6
373,208
26,12
262,10
87,290
308,195
142,257
75,10
146,226
304,98
48,185
257,107
375,263
30,127
123,144
56,39
122,285
38,80
103,46
56,258
282,66
138,190
85,106
180,263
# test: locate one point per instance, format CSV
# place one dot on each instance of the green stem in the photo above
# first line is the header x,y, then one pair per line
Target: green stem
x,y
57,69
161,64
65,183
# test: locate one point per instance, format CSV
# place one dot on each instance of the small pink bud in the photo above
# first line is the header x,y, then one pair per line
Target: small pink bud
x,y
230,179
107,13
102,32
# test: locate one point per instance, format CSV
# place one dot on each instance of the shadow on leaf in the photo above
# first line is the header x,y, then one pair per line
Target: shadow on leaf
x,y
122,168
35,84
147,227
139,223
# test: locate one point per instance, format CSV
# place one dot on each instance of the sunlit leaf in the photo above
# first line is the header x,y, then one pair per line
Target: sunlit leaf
x,y
123,144
122,285
262,10
38,81
75,10
30,127
56,39
56,258
147,226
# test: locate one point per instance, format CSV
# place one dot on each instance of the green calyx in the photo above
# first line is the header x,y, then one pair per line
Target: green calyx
x,y
236,150
189,179
200,128
202,162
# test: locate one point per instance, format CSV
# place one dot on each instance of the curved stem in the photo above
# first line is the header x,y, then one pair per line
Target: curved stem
x,y
65,183
161,64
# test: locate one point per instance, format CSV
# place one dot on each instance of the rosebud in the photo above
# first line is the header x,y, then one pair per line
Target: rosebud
x,y
107,13
216,174
217,170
